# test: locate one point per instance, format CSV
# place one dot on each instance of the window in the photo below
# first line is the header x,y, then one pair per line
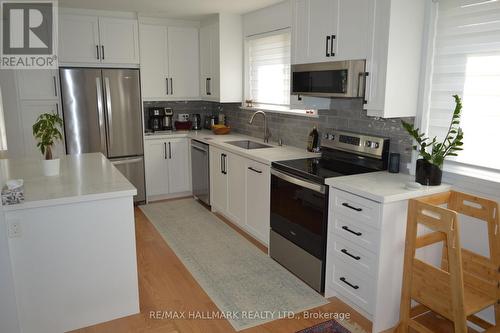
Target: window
x,y
268,68
467,62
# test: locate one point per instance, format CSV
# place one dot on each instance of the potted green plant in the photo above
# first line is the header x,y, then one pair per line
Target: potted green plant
x,y
433,152
46,132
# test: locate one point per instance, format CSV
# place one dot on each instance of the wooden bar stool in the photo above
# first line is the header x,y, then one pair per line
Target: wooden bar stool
x,y
466,282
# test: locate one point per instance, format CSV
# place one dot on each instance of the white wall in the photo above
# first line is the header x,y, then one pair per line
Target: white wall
x,y
8,308
267,19
8,84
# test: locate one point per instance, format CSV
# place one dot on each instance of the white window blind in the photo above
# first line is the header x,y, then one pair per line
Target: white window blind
x,y
269,69
467,62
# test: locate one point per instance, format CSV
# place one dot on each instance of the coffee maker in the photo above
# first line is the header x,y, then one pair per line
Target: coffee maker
x,y
196,121
168,114
156,116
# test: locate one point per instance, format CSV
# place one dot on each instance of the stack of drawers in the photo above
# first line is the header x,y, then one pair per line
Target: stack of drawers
x,y
353,248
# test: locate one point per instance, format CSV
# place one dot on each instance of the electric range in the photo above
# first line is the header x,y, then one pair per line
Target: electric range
x,y
299,200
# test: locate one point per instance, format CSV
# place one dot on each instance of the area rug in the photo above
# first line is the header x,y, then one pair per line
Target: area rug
x,y
332,326
239,278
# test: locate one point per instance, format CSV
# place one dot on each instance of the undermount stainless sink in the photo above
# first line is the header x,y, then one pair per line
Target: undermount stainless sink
x,y
247,144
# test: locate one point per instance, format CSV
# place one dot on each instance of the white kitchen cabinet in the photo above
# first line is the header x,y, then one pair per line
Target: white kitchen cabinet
x,y
79,39
221,59
330,30
119,39
169,62
394,61
98,40
30,111
167,167
38,84
236,166
218,180
258,198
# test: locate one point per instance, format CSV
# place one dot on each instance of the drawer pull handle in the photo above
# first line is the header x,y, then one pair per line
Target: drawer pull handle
x,y
346,228
254,170
345,204
343,279
344,251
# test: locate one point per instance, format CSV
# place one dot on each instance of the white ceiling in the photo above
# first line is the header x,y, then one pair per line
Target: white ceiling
x,y
178,9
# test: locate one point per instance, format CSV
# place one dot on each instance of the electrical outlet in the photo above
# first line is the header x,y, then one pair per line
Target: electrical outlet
x,y
15,229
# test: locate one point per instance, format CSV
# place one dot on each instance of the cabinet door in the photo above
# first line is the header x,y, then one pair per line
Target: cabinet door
x,y
79,39
258,184
29,114
354,33
218,180
154,63
183,60
314,24
178,165
236,167
214,84
119,40
38,84
155,160
205,49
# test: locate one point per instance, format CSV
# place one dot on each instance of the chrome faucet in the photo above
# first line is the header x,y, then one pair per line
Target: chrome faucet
x,y
267,135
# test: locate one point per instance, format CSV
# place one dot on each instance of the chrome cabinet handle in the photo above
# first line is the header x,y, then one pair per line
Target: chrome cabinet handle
x,y
346,228
345,204
326,48
343,279
254,170
344,251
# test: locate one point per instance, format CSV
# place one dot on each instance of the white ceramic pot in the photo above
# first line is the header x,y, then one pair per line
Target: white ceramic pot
x,y
51,167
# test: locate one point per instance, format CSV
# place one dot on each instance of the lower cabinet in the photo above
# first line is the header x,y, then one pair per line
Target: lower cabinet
x,y
240,190
167,166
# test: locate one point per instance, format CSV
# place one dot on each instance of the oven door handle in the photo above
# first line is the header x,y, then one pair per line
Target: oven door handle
x,y
291,179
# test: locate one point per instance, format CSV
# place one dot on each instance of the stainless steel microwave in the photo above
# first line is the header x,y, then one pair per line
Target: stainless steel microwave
x,y
330,79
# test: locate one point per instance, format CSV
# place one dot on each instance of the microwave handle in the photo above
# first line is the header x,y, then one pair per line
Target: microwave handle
x,y
362,76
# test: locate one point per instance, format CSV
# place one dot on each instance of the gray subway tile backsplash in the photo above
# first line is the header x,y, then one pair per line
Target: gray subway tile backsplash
x,y
344,114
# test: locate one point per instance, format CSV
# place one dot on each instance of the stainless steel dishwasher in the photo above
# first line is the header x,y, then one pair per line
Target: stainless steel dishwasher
x,y
200,169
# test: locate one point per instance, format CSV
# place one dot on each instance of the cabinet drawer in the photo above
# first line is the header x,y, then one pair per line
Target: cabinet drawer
x,y
356,207
356,232
354,255
353,285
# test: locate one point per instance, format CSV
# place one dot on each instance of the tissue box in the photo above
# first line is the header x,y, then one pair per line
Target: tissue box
x,y
13,195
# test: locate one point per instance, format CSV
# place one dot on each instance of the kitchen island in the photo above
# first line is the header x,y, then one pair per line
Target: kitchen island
x,y
71,244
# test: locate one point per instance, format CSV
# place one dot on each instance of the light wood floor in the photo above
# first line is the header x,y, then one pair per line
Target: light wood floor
x,y
166,285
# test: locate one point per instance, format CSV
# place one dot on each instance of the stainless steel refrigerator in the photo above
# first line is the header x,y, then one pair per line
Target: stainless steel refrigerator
x,y
102,113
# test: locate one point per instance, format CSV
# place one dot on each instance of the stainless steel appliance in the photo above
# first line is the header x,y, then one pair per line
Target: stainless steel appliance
x,y
200,171
156,116
168,124
102,113
299,200
210,121
196,121
330,79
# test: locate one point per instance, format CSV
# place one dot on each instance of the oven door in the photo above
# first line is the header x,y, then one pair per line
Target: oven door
x,y
299,212
330,79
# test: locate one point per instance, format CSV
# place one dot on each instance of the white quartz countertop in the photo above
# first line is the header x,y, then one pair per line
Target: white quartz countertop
x,y
263,155
83,177
383,186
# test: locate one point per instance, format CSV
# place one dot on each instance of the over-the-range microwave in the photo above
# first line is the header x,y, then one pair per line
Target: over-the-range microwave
x,y
330,79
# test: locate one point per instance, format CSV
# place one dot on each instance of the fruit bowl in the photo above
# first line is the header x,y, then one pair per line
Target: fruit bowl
x,y
221,129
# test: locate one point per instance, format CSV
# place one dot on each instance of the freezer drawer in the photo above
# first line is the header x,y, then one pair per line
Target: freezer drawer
x,y
133,169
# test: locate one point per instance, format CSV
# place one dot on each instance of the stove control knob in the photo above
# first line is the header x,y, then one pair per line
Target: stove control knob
x,y
372,144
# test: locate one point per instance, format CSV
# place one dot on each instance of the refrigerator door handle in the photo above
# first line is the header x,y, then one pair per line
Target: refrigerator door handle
x,y
100,112
109,112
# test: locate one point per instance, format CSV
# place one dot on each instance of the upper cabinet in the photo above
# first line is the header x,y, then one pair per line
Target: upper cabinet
x,y
221,59
394,62
330,30
169,62
94,40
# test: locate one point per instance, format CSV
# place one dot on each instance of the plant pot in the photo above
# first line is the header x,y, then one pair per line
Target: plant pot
x,y
51,167
428,173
